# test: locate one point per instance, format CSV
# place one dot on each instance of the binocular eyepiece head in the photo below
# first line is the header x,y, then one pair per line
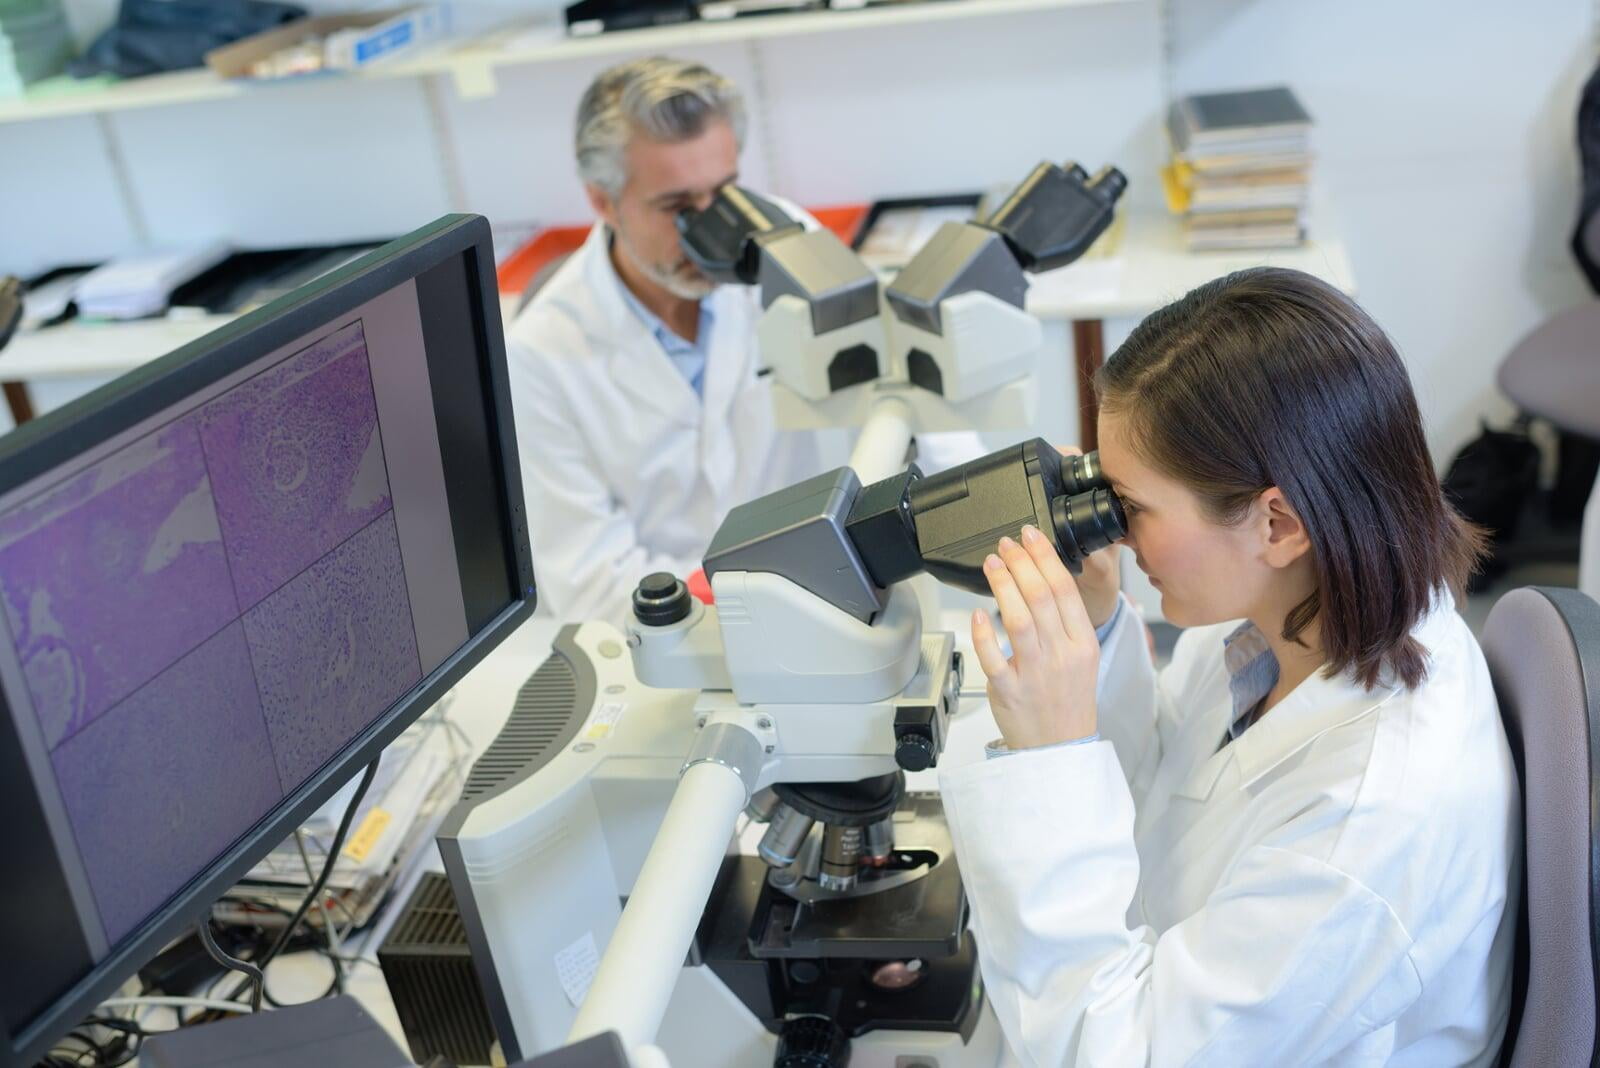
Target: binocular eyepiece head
x,y
946,524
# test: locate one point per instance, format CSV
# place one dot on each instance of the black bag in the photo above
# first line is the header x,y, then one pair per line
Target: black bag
x,y
151,36
1589,159
1489,481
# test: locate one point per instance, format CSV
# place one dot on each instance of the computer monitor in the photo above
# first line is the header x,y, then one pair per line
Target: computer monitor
x,y
228,580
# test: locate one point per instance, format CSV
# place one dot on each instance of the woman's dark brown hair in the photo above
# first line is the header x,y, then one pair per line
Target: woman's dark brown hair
x,y
1270,377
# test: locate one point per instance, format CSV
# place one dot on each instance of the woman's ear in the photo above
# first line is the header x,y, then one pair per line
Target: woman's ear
x,y
1285,538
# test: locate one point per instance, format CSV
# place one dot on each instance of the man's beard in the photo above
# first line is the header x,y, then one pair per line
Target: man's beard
x,y
674,279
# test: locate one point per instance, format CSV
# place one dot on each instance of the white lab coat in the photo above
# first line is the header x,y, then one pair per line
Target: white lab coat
x,y
625,470
1337,886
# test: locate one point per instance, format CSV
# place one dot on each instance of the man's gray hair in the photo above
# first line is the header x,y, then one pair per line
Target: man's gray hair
x,y
664,99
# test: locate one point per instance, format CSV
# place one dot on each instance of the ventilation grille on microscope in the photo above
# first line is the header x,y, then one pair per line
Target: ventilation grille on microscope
x,y
431,980
538,721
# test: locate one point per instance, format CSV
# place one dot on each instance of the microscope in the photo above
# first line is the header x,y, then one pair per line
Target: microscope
x,y
595,855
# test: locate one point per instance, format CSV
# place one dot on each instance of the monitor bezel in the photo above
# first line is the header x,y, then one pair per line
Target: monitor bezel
x,y
57,437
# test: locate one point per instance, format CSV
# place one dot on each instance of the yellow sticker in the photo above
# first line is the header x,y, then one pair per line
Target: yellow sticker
x,y
372,827
597,731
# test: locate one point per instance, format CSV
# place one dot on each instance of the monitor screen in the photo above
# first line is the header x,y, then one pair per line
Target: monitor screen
x,y
227,581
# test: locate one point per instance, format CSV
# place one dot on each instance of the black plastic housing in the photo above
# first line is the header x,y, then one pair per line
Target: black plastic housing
x,y
947,524
725,239
1056,213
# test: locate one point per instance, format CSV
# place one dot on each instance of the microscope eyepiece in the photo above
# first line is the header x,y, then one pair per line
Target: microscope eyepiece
x,y
1080,474
946,524
1086,522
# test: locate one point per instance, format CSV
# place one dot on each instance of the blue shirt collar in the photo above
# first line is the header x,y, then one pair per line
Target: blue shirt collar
x,y
1252,673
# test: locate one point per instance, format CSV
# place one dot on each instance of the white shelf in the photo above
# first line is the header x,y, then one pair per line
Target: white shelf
x,y
1150,268
472,64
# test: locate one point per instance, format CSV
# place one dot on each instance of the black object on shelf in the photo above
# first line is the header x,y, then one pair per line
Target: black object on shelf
x,y
152,36
428,968
248,280
605,16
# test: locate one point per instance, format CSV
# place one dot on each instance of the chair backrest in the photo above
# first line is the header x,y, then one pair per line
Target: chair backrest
x,y
1543,649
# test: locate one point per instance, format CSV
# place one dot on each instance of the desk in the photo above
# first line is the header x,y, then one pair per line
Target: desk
x,y
1151,268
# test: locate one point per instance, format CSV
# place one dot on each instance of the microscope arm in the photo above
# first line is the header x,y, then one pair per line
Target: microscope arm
x,y
631,989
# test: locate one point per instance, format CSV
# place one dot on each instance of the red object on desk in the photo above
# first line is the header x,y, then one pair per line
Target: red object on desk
x,y
550,244
700,587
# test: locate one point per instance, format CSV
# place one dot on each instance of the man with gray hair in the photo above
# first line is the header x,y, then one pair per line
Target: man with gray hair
x,y
641,416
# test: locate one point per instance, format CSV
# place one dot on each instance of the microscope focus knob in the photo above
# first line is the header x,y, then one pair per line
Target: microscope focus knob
x,y
660,599
812,1042
914,752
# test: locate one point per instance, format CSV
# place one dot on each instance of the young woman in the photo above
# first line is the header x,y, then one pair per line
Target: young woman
x,y
1298,843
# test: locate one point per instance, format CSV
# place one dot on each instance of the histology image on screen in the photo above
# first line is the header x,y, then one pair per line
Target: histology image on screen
x,y
296,461
112,575
215,608
332,647
158,787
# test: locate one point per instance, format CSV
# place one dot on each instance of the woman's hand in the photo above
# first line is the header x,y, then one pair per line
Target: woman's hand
x,y
1045,693
1101,581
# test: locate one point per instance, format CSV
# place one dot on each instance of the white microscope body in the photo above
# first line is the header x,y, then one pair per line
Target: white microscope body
x,y
629,757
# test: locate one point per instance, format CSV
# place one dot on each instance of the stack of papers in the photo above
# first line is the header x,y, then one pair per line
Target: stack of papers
x,y
34,43
419,778
1240,170
136,286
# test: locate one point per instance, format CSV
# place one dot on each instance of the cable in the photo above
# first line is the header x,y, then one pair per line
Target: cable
x,y
322,880
328,929
209,940
215,1004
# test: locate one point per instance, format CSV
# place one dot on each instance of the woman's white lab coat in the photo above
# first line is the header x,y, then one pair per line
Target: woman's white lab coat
x,y
1337,886
625,470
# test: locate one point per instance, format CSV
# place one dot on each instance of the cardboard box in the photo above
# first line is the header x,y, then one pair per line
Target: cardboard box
x,y
331,42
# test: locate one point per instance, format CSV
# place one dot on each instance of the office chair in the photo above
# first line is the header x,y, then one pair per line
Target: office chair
x,y
1543,649
1554,374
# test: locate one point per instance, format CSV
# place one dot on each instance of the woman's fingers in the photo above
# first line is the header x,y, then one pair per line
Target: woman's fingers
x,y
1014,611
996,668
1063,588
1035,587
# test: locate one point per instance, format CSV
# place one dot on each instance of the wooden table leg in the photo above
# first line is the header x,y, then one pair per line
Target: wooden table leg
x,y
20,403
1089,352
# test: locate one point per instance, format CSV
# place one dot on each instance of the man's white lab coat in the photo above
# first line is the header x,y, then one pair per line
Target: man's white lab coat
x,y
625,470
1337,886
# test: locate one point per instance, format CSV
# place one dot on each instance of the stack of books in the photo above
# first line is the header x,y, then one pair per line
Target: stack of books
x,y
1241,168
34,43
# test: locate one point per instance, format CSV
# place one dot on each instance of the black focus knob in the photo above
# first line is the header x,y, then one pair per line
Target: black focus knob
x,y
914,752
812,1042
661,598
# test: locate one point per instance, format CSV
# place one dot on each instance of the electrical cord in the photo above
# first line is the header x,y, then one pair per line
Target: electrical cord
x,y
322,880
251,971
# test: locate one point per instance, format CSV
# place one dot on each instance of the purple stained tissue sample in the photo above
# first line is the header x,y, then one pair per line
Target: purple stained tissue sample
x,y
297,461
333,648
112,575
167,779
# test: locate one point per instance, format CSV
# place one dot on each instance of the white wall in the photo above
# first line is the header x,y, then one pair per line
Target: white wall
x,y
1444,140
1445,143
